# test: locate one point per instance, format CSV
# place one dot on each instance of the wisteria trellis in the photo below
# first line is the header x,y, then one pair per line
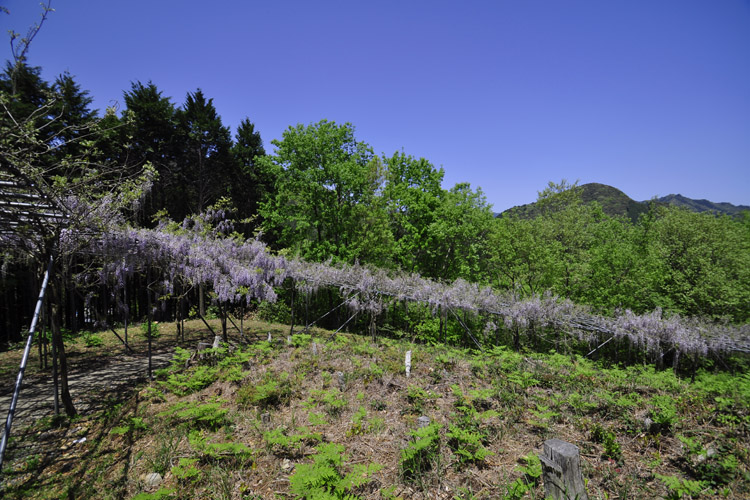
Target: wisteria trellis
x,y
242,270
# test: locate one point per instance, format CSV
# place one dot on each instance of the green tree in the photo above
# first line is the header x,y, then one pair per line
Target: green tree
x,y
518,256
324,204
412,194
704,263
456,239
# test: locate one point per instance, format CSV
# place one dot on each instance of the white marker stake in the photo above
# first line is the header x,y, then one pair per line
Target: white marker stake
x,y
407,363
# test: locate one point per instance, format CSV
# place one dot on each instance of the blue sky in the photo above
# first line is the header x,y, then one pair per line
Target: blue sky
x,y
649,96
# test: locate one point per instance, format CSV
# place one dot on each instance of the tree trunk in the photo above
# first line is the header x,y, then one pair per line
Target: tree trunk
x,y
291,308
223,312
57,339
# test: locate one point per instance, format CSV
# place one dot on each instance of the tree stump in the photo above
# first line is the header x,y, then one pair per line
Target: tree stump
x,y
561,471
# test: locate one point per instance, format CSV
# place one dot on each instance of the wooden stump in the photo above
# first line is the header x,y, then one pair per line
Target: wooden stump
x,y
561,471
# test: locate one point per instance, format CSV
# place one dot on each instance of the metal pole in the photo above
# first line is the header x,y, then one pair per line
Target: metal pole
x,y
19,380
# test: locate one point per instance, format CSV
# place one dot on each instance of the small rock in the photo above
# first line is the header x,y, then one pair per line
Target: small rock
x,y
423,421
152,480
286,465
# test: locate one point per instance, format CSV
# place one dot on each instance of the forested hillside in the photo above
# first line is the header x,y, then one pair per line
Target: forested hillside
x,y
325,194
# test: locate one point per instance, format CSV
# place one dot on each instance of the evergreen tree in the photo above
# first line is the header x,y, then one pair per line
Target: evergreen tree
x,y
150,136
205,166
253,183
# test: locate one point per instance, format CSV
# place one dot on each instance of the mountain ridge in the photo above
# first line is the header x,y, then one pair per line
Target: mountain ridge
x,y
614,202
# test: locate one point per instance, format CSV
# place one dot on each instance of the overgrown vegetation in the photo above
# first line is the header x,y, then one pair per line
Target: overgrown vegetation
x,y
287,427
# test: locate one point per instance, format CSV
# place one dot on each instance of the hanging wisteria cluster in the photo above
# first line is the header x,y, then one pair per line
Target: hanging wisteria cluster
x,y
237,270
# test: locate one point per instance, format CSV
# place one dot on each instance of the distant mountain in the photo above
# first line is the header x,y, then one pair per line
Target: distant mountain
x,y
615,202
703,205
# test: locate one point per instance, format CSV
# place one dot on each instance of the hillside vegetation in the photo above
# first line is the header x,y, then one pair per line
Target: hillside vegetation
x,y
612,201
335,416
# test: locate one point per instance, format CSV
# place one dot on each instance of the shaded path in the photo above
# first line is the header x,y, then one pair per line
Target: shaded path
x,y
92,383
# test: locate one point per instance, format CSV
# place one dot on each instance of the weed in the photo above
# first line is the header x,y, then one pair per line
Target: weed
x,y
326,477
207,415
663,412
92,340
532,473
134,424
316,419
217,451
332,400
301,339
160,494
711,465
154,330
192,380
421,453
378,405
540,416
186,470
161,458
417,397
612,448
359,423
272,392
467,445
282,442
680,488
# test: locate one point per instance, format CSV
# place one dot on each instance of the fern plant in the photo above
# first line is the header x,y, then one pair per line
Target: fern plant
x,y
467,445
207,415
218,451
327,477
421,453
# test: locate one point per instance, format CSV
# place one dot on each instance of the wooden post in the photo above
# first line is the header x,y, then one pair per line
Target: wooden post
x,y
561,471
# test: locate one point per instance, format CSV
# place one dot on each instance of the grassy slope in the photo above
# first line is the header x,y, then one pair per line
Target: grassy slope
x,y
186,426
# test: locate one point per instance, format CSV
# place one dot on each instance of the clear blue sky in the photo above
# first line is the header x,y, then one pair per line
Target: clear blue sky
x,y
652,97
